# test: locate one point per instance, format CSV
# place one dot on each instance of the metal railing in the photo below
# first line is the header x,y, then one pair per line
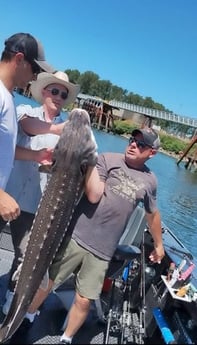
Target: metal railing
x,y
154,113
160,114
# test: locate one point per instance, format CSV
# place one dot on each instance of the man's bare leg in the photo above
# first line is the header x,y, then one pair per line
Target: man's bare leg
x,y
77,315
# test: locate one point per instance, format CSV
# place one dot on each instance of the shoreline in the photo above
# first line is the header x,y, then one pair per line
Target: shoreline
x,y
170,154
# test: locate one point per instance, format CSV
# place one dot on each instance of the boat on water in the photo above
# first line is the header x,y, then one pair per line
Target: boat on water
x,y
141,302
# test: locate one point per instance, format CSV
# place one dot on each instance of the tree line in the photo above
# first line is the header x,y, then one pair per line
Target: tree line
x,y
92,85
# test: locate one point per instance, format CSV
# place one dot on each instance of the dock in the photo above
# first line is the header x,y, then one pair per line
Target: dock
x,y
190,160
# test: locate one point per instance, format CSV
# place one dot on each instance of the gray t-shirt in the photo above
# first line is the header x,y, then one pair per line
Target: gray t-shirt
x,y
98,227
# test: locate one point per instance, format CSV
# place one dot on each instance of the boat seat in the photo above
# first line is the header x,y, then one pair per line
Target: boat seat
x,y
127,250
129,244
121,258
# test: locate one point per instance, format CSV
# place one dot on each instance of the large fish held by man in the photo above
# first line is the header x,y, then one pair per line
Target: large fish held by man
x,y
74,152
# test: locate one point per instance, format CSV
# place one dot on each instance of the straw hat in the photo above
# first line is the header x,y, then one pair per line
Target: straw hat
x,y
44,79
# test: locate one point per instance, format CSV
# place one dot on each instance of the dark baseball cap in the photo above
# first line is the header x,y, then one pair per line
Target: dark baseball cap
x,y
151,138
30,47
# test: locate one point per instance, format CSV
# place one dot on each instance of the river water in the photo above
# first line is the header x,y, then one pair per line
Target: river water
x,y
177,187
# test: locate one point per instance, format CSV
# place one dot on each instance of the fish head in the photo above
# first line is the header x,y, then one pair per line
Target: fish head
x,y
84,147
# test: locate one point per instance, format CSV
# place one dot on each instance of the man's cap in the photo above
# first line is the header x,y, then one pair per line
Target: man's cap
x,y
150,136
30,47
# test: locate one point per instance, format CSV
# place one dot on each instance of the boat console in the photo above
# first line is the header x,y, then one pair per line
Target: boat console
x,y
142,302
174,290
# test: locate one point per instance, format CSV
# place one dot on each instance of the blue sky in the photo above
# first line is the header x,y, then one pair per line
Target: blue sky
x,y
148,47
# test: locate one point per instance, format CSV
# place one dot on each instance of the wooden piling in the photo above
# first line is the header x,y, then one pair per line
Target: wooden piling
x,y
188,148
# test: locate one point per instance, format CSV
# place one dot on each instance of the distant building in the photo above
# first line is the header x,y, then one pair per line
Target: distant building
x,y
101,113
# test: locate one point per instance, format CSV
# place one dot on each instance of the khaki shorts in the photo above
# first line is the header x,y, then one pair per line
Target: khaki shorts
x,y
90,270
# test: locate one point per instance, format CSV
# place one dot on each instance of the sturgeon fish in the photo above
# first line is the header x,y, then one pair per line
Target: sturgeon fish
x,y
74,152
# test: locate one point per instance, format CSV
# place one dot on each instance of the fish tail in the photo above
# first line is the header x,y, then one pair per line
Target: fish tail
x,y
3,334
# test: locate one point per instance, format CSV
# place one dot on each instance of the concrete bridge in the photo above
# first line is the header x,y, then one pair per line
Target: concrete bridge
x,y
148,112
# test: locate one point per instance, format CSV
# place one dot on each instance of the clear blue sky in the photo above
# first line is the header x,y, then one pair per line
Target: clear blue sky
x,y
148,47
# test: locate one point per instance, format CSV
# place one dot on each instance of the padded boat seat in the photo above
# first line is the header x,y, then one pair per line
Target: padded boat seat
x,y
121,258
129,244
126,252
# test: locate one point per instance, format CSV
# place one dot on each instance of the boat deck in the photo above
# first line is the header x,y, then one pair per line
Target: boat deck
x,y
47,327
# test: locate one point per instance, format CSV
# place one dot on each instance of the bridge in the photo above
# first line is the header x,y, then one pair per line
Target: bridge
x,y
151,113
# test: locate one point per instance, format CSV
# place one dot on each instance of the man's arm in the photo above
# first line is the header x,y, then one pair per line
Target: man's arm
x,y
9,209
154,223
42,156
35,126
94,187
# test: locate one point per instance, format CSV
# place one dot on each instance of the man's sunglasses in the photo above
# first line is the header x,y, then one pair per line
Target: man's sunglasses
x,y
35,68
56,92
140,144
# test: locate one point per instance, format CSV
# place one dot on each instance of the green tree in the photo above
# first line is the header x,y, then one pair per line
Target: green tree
x,y
148,102
87,81
91,84
117,93
105,87
73,75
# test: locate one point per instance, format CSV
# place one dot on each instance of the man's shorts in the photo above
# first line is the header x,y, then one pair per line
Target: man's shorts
x,y
89,269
